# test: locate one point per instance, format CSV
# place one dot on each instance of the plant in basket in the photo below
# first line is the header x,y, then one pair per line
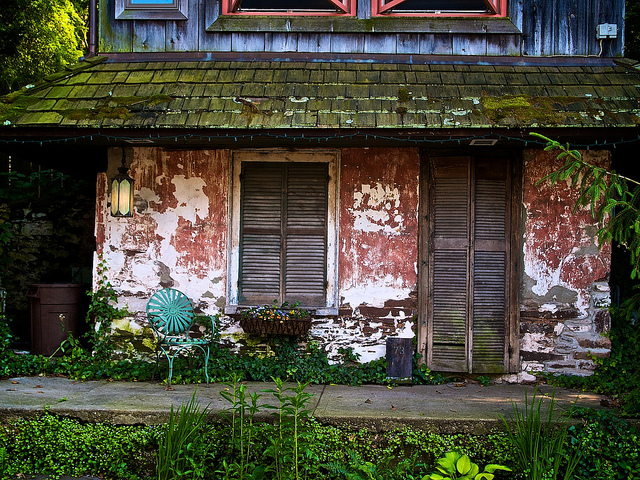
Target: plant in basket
x,y
276,319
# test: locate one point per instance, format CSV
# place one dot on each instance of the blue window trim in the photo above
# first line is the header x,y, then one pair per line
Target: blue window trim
x,y
167,10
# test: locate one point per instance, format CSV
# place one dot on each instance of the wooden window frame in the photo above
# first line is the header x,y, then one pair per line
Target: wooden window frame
x,y
496,8
176,10
332,158
346,8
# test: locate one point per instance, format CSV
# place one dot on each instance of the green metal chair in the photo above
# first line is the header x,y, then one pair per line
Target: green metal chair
x,y
170,313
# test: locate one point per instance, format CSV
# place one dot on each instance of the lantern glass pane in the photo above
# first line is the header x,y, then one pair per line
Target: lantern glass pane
x,y
124,200
114,197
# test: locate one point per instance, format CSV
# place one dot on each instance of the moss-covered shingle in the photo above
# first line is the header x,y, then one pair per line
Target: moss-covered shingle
x,y
264,95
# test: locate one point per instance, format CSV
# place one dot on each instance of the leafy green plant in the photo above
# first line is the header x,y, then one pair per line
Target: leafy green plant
x,y
612,199
3,461
290,444
103,310
357,468
540,441
244,407
456,466
484,381
180,450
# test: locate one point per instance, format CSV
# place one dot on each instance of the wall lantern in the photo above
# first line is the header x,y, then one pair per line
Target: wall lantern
x,y
122,191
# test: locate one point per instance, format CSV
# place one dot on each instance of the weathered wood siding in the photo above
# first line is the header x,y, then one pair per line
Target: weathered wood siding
x,y
567,27
534,28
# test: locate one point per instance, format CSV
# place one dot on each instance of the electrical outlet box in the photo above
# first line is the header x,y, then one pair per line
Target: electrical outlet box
x,y
606,30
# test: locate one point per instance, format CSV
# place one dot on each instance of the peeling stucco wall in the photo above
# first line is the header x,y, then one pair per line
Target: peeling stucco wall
x,y
178,238
378,248
564,292
178,234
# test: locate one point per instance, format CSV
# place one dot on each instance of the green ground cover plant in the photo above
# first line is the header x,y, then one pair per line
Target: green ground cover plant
x,y
293,446
92,358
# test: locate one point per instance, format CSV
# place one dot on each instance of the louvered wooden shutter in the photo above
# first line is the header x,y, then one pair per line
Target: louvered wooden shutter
x,y
283,233
450,261
490,266
468,254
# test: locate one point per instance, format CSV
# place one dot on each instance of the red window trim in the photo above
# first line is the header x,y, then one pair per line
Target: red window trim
x,y
497,8
345,7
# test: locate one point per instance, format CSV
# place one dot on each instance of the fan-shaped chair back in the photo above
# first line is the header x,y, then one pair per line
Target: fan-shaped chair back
x,y
170,311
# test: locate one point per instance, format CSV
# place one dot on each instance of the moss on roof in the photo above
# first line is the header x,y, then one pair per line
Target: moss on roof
x,y
261,95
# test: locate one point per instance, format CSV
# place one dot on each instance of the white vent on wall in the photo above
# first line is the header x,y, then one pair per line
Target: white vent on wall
x,y
483,142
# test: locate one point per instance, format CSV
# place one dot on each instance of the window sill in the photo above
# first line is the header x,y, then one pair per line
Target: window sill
x,y
479,25
315,311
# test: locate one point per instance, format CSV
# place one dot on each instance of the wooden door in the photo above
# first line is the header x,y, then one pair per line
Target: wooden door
x,y
468,257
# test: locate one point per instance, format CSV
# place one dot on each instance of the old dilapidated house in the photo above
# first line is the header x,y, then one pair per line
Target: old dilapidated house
x,y
368,158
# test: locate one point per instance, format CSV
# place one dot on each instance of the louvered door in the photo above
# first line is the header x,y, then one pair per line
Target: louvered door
x,y
468,257
283,233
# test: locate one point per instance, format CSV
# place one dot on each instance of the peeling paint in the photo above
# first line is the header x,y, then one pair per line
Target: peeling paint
x,y
375,209
561,248
564,290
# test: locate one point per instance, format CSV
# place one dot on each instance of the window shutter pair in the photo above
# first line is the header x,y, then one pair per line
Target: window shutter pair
x,y
283,233
469,279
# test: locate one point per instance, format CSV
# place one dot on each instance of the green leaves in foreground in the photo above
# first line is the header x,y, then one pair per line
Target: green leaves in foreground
x,y
182,450
460,467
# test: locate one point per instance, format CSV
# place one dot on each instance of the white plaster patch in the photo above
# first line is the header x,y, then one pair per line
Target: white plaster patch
x,y
406,332
546,278
536,342
375,293
192,202
370,353
549,307
375,209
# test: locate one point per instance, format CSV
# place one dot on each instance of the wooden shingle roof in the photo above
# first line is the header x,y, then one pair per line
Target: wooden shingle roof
x,y
98,93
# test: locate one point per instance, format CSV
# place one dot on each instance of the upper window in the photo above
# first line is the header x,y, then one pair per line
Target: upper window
x,y
289,7
451,8
151,9
283,229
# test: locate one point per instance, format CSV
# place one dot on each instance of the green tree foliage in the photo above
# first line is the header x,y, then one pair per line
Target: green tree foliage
x,y
38,37
632,29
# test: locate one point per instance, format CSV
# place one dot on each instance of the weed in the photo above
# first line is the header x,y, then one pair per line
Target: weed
x,y
539,442
181,449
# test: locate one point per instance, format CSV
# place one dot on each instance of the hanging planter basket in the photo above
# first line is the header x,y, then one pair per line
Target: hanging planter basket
x,y
259,326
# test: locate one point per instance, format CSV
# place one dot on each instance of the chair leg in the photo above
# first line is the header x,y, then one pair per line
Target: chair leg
x,y
170,357
206,364
167,353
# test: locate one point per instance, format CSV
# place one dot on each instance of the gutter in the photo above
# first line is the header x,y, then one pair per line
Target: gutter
x,y
93,28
